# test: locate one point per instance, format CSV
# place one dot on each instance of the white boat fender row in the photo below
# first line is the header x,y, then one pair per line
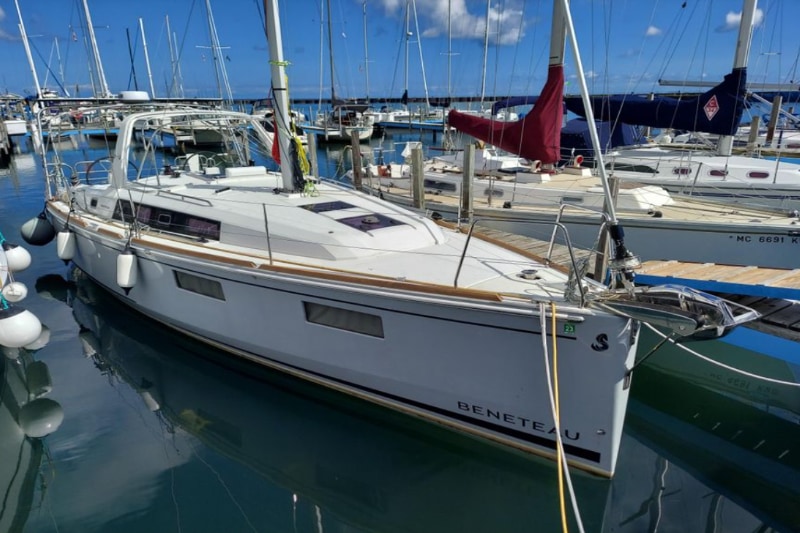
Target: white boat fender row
x,y
127,270
18,327
65,245
13,258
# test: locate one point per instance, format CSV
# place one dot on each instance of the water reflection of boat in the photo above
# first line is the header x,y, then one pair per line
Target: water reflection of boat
x,y
348,464
738,450
750,367
25,416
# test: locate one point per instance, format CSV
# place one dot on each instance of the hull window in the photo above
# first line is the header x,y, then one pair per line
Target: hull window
x,y
345,319
204,286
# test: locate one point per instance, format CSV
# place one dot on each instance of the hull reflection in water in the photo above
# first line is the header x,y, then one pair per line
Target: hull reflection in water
x,y
322,460
26,417
738,449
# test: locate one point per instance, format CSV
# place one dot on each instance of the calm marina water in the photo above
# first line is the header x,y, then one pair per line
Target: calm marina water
x,y
162,434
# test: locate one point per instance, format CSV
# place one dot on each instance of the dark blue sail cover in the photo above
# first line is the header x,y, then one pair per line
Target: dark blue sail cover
x,y
513,101
717,111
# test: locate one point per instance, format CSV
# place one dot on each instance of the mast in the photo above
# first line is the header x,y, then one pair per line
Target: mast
x,y
174,57
725,144
61,69
421,61
27,46
147,59
280,91
330,54
485,51
449,47
171,91
408,39
221,73
101,75
366,54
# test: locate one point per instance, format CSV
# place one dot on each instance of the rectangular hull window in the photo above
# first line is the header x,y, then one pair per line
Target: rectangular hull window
x,y
206,287
344,319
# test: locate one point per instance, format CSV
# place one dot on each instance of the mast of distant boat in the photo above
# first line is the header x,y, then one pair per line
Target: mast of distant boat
x,y
485,51
27,46
223,84
366,54
101,75
725,143
330,54
421,60
147,59
174,59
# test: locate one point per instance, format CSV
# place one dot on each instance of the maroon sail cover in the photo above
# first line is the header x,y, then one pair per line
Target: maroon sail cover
x,y
536,137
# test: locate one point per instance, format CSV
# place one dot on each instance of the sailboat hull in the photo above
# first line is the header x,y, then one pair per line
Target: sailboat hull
x,y
418,354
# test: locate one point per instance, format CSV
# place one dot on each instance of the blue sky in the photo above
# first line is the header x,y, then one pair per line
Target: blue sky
x,y
626,45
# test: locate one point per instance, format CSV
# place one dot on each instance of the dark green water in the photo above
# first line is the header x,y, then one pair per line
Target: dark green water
x,y
161,434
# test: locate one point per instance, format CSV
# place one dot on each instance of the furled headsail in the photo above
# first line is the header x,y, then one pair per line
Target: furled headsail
x,y
718,110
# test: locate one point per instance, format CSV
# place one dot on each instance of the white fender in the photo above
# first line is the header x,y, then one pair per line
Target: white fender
x,y
65,245
15,291
18,327
18,258
126,269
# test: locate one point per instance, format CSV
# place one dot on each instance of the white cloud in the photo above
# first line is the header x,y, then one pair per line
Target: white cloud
x,y
732,20
505,24
652,31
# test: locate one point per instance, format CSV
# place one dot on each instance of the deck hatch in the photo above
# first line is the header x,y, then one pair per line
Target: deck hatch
x,y
370,222
323,207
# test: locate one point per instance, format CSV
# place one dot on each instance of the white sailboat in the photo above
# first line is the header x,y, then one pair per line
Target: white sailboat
x,y
345,118
356,294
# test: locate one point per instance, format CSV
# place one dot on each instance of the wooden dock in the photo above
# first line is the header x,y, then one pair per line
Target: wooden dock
x,y
729,279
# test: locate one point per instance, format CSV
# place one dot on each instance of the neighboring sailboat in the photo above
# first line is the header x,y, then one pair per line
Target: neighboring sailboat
x,y
714,176
345,118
